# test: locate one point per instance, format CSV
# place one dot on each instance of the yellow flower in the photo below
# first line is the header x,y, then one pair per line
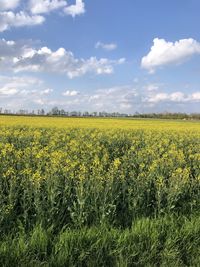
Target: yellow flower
x,y
116,163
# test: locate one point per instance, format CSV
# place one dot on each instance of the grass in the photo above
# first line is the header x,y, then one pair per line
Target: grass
x,y
149,242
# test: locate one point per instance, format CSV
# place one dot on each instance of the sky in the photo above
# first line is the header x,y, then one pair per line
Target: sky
x,y
100,55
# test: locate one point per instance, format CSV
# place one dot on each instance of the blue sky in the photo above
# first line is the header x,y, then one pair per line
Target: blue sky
x,y
100,55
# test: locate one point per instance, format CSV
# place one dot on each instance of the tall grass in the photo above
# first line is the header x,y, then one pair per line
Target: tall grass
x,y
149,242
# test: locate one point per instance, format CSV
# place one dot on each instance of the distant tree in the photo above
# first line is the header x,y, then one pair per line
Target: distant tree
x,y
86,114
55,111
62,112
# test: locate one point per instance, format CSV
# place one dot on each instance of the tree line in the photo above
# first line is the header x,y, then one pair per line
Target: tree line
x,y
55,111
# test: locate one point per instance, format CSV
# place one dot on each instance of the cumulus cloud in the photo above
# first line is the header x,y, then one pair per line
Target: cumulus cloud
x,y
164,53
107,47
33,12
26,58
77,9
70,93
62,61
45,6
9,4
10,19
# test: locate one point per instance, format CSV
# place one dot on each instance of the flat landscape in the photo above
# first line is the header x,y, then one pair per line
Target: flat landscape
x,y
99,192
99,133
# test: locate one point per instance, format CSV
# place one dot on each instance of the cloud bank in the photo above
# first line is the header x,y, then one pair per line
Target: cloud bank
x,y
24,58
26,91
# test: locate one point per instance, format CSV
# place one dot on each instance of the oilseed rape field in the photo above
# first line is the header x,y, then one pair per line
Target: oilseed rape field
x,y
99,192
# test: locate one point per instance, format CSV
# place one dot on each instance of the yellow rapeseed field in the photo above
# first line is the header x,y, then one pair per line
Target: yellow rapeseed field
x,y
100,123
65,183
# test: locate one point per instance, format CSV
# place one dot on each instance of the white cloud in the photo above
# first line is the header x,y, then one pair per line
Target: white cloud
x,y
28,92
178,97
107,47
164,53
39,101
62,61
46,91
20,58
7,91
23,92
9,4
152,87
119,98
157,97
77,9
10,19
195,97
12,86
28,14
45,6
121,60
70,93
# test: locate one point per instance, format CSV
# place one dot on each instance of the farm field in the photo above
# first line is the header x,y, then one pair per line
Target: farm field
x,y
99,192
99,123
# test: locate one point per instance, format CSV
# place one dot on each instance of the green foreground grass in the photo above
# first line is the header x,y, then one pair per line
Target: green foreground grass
x,y
149,242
